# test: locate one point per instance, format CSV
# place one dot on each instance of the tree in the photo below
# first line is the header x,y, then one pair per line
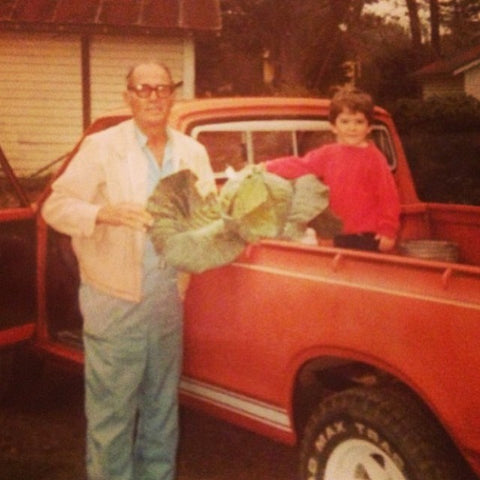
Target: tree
x,y
415,26
461,21
301,41
453,25
292,47
435,28
339,21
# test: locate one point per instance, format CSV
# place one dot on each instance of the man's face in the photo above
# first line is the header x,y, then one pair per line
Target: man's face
x,y
351,128
153,110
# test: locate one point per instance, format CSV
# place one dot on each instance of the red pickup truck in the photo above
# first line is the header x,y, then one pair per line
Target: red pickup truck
x,y
369,362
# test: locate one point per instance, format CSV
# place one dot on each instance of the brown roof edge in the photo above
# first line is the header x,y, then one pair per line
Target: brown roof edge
x,y
107,16
100,29
200,14
450,64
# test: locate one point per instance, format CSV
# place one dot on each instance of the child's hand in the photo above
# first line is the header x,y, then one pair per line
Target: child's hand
x,y
385,243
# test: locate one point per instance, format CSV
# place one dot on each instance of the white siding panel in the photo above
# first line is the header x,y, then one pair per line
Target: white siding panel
x,y
189,69
472,82
443,86
40,98
112,57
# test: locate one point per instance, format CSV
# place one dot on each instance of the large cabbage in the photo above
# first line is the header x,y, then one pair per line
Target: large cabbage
x,y
196,234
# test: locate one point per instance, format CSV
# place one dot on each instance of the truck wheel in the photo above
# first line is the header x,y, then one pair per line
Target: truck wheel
x,y
376,434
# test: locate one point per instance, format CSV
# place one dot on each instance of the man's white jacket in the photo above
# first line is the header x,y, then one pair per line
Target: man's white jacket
x,y
110,167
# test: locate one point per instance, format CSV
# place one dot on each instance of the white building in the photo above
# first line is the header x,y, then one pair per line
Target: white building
x,y
453,75
63,62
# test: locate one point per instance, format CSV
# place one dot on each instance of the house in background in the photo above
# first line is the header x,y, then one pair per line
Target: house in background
x,y
63,62
454,75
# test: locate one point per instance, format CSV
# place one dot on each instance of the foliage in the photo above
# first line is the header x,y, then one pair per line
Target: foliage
x,y
385,58
448,114
300,41
306,44
461,22
195,234
440,136
446,167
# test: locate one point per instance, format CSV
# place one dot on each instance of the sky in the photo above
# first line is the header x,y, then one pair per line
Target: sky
x,y
393,9
390,8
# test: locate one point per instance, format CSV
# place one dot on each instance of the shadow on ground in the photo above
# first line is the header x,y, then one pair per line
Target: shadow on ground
x,y
42,430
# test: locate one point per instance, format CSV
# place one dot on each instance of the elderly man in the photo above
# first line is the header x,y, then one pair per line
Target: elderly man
x,y
128,296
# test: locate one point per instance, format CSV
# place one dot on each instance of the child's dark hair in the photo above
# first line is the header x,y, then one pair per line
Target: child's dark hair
x,y
351,99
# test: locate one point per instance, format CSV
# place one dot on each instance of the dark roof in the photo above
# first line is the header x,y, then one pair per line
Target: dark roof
x,y
450,65
141,16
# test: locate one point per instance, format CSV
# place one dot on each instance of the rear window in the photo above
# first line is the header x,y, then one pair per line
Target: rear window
x,y
239,143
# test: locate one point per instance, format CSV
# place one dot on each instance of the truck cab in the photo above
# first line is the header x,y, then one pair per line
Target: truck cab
x,y
367,361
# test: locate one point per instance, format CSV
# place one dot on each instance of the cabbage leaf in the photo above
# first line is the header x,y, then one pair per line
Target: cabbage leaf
x,y
255,204
196,233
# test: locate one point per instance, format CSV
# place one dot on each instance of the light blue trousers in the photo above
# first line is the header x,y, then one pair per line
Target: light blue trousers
x,y
132,369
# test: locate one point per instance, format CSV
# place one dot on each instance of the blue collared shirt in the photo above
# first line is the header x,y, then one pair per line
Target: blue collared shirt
x,y
155,173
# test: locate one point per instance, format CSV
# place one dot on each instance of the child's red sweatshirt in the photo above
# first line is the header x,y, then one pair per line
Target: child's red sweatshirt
x,y
363,193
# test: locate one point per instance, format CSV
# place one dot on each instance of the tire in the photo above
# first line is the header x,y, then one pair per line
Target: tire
x,y
377,434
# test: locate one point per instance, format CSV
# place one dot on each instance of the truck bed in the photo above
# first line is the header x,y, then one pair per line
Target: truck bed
x,y
459,224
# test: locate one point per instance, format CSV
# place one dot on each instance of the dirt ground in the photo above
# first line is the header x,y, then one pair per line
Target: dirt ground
x,y
42,430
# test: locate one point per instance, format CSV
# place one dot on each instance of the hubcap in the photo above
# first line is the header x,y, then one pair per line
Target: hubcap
x,y
361,460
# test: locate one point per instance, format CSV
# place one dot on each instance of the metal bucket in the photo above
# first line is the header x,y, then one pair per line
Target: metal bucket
x,y
441,250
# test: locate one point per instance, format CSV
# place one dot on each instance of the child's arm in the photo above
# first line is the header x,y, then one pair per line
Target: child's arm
x,y
294,167
389,208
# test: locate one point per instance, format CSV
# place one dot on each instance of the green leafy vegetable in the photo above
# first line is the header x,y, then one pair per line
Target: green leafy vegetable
x,y
256,204
177,207
187,228
310,196
195,233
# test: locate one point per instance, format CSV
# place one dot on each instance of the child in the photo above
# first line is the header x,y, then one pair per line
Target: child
x,y
363,193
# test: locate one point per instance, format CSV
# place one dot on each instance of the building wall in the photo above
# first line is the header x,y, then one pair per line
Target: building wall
x,y
112,57
41,112
40,97
443,86
472,82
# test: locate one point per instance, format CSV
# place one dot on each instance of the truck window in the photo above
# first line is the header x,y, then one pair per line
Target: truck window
x,y
239,143
268,145
225,149
12,194
382,139
8,197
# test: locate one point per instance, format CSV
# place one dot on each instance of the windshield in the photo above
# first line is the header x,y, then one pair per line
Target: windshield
x,y
239,143
11,193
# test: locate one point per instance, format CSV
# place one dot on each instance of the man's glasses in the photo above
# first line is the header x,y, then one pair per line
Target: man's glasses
x,y
144,90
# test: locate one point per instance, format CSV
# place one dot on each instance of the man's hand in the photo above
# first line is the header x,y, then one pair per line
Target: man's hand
x,y
125,214
385,243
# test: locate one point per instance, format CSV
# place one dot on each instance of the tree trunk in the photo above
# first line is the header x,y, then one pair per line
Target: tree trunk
x,y
414,24
435,28
338,16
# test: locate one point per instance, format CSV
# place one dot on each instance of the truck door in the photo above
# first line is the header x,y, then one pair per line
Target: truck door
x,y
17,269
17,259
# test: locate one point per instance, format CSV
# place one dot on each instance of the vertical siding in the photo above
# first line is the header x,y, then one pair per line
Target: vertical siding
x,y
40,98
443,86
41,87
111,58
189,69
472,82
